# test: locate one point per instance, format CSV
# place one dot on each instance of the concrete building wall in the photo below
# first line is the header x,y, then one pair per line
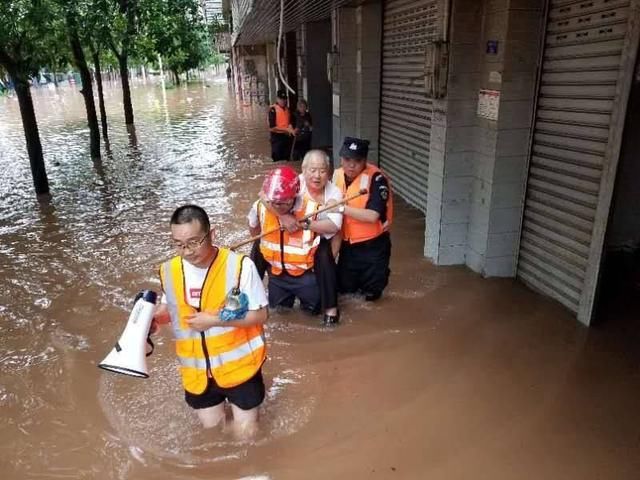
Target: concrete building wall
x,y
453,137
478,165
301,53
500,175
272,70
251,74
356,86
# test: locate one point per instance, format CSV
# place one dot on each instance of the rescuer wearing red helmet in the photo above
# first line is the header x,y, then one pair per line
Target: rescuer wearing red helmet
x,y
288,245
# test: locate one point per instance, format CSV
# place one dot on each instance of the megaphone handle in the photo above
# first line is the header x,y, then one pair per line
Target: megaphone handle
x,y
150,342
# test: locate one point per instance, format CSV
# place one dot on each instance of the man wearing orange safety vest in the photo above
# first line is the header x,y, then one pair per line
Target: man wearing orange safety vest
x,y
280,128
363,265
219,360
287,245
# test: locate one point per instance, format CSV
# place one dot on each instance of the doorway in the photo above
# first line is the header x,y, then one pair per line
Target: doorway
x,y
318,44
619,285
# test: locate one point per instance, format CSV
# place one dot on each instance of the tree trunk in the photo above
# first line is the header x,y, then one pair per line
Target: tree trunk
x,y
87,92
176,76
31,134
126,90
103,111
55,77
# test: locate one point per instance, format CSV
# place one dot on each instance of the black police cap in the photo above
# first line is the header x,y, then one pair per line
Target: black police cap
x,y
354,148
281,94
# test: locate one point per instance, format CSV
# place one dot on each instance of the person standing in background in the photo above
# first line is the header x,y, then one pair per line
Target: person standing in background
x,y
280,128
302,128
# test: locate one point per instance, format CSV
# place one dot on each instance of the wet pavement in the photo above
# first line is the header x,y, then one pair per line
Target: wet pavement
x,y
449,376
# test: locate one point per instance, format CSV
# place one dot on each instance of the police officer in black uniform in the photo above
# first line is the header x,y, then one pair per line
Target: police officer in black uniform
x,y
363,265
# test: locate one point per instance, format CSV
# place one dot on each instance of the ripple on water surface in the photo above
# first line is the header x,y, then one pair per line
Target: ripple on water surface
x,y
151,419
72,267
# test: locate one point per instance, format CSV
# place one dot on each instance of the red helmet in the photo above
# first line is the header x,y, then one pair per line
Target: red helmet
x,y
281,184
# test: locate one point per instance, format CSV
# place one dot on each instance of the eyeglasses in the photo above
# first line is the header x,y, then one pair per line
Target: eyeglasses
x,y
190,245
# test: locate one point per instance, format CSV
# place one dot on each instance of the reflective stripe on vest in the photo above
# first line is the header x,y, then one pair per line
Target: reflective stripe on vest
x,y
283,117
355,231
233,354
298,247
226,357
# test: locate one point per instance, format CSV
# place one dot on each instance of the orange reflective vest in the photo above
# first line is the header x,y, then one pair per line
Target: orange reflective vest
x,y
292,252
283,117
229,355
355,231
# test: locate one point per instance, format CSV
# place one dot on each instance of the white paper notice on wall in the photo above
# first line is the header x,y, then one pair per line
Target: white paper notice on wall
x,y
488,104
336,105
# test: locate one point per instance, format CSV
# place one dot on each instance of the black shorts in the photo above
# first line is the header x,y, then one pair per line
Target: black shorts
x,y
246,396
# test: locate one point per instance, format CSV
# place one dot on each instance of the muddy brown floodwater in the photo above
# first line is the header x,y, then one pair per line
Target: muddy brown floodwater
x,y
449,376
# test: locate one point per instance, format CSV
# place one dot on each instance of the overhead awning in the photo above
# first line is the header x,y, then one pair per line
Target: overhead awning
x,y
258,21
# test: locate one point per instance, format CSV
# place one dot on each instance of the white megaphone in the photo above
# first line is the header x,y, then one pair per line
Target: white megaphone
x,y
129,354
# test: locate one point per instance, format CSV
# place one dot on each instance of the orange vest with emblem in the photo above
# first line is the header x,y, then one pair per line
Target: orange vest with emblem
x,y
292,252
283,117
229,355
355,231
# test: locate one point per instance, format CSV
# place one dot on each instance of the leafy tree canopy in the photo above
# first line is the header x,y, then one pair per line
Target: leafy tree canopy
x,y
29,30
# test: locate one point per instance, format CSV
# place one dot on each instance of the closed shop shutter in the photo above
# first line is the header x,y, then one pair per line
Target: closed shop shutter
x,y
576,99
405,111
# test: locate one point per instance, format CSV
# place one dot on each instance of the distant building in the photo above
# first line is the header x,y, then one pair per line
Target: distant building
x,y
211,10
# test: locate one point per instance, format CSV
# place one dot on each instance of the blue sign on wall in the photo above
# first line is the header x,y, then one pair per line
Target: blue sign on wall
x,y
492,47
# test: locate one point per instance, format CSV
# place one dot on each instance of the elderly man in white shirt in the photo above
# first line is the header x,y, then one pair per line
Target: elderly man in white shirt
x,y
315,184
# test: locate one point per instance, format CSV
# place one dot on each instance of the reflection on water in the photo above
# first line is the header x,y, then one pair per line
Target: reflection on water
x,y
447,376
70,269
178,438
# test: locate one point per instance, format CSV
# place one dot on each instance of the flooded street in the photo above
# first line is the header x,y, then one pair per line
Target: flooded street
x,y
449,376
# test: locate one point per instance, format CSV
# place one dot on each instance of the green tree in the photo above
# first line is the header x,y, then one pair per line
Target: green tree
x,y
77,20
101,56
95,40
25,35
59,54
96,56
176,30
121,24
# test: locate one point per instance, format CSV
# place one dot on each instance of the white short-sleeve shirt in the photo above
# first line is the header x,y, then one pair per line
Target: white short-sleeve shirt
x,y
250,284
331,192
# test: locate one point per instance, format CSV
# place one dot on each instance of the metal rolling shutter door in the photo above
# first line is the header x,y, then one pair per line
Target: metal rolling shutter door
x,y
584,41
405,111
